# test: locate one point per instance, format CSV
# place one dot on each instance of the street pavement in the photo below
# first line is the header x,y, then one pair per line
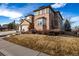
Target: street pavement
x,y
7,32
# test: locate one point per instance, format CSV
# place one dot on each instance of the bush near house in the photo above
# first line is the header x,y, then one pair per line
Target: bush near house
x,y
52,45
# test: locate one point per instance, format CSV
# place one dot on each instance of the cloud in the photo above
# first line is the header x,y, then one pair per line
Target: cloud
x,y
9,13
4,11
4,5
58,5
75,21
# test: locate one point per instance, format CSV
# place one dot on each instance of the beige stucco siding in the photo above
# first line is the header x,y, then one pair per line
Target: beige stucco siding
x,y
25,22
24,26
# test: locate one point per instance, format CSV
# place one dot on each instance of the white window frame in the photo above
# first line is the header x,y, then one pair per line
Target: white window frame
x,y
41,22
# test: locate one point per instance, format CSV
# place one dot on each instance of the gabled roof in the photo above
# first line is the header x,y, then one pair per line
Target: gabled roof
x,y
29,15
43,7
23,20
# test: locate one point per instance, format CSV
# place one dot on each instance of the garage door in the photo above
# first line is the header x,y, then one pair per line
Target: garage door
x,y
25,28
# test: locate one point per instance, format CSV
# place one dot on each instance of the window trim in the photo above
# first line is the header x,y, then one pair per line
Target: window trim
x,y
42,18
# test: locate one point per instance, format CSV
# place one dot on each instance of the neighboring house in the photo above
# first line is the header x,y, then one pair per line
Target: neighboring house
x,y
26,24
76,31
3,28
45,19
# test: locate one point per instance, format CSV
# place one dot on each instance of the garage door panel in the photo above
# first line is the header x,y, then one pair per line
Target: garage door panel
x,y
25,28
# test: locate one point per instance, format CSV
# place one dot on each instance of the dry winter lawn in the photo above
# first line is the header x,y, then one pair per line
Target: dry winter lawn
x,y
52,45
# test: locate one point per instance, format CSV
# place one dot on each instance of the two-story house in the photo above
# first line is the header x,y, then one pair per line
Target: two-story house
x,y
45,19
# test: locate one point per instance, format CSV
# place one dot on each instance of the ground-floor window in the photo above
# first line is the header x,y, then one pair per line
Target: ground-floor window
x,y
41,22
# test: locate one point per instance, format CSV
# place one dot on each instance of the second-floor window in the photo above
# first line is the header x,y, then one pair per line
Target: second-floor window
x,y
43,11
37,13
47,10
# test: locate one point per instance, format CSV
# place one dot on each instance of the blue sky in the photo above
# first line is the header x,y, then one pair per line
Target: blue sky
x,y
15,11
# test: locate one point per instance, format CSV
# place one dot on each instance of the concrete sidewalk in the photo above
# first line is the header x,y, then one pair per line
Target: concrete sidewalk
x,y
11,49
